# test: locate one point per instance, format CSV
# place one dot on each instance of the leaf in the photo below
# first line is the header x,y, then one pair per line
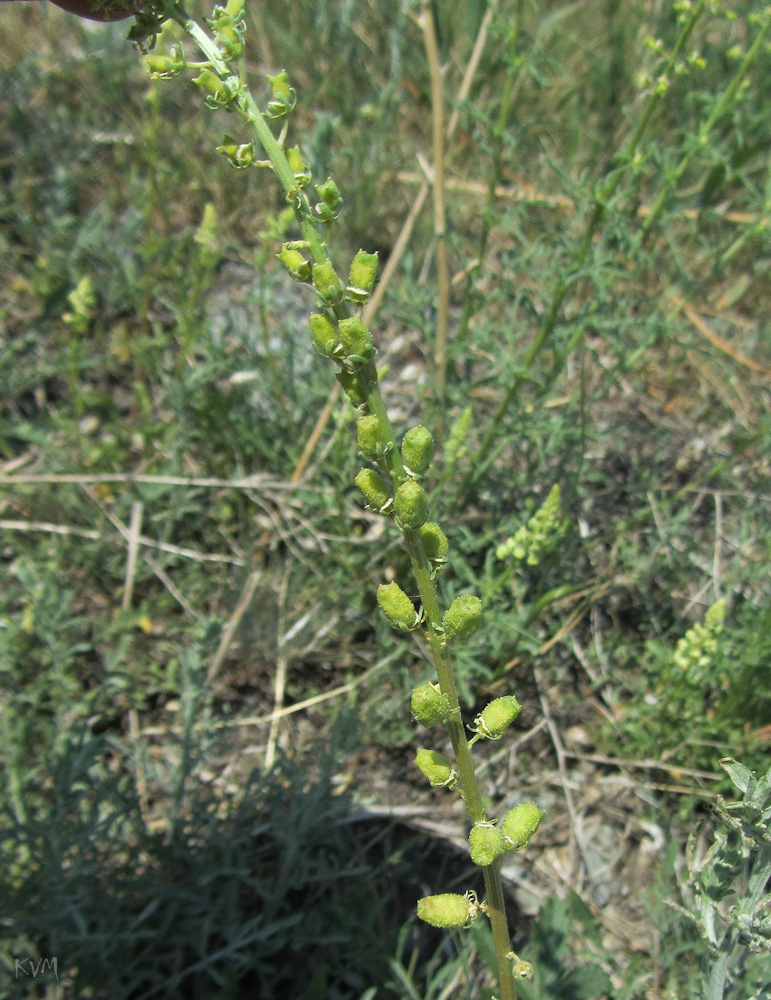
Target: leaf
x,y
740,775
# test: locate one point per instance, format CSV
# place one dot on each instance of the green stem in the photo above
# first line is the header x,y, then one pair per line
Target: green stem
x,y
481,459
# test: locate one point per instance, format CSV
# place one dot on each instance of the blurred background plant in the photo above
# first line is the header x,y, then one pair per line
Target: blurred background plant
x,y
147,361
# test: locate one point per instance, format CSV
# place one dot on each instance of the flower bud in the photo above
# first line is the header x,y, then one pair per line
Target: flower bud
x,y
327,283
411,504
240,154
374,489
217,93
355,337
352,387
496,718
369,436
448,909
302,174
284,97
486,843
418,449
295,263
323,334
361,278
434,542
435,767
331,204
520,823
429,705
397,607
463,617
167,66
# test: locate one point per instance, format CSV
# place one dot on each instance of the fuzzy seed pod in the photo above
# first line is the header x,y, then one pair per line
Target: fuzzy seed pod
x,y
240,154
520,823
327,283
448,909
486,844
331,204
323,334
429,705
295,263
374,489
418,449
397,607
361,278
463,617
435,767
411,504
434,542
355,337
352,387
369,437
496,718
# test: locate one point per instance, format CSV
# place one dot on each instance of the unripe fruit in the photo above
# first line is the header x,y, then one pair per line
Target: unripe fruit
x,y
368,435
326,281
352,387
361,279
374,489
486,844
448,909
429,705
397,607
496,718
435,767
355,337
418,449
520,823
463,617
323,334
434,542
411,504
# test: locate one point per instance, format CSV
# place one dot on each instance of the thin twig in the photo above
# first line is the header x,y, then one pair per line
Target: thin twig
x,y
244,600
279,685
134,532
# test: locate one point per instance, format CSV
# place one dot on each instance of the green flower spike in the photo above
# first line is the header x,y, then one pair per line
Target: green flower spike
x,y
486,844
435,767
429,705
496,718
463,617
355,338
448,909
434,544
369,436
327,283
298,267
375,491
240,154
353,388
520,824
361,278
418,449
411,504
397,607
323,334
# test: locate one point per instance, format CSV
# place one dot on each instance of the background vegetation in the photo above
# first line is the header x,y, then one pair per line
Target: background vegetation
x,y
174,571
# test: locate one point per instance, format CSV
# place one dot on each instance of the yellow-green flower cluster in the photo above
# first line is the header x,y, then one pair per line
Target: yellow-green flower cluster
x,y
695,652
539,536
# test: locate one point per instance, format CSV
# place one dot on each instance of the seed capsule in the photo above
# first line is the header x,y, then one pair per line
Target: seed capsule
x,y
355,337
369,436
295,263
496,718
374,489
435,767
327,283
323,334
411,504
397,607
418,449
520,823
429,705
486,843
352,387
361,278
448,909
463,617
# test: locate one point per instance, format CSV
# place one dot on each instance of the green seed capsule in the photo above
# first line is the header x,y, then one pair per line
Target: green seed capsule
x,y
520,824
411,504
434,542
397,607
496,718
486,843
463,617
429,705
361,279
369,436
374,489
327,283
355,337
435,767
323,334
448,909
352,387
295,263
418,449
